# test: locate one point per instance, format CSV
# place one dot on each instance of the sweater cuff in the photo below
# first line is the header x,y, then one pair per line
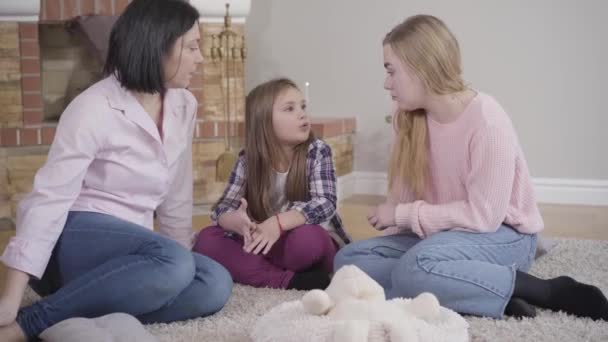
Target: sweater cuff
x,y
406,217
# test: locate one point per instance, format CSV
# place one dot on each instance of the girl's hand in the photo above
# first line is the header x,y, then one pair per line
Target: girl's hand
x,y
246,232
238,221
382,217
264,237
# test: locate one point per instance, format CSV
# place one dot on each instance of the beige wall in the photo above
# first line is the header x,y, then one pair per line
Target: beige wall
x,y
544,60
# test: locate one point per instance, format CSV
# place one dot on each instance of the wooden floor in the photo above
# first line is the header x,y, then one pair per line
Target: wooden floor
x,y
583,222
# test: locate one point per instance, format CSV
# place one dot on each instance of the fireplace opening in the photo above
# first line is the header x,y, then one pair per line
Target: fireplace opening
x,y
72,57
67,67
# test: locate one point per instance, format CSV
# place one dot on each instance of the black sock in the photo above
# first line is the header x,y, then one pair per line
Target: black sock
x,y
309,280
519,308
562,294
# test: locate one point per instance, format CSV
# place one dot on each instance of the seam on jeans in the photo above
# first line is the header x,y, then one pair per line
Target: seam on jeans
x,y
510,294
145,239
36,308
531,253
162,248
523,259
24,324
479,283
103,231
94,281
373,249
509,244
519,238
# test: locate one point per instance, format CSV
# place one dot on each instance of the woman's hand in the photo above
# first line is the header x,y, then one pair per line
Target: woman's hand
x,y
11,297
8,310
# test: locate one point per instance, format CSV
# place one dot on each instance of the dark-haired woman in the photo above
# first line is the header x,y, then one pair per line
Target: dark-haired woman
x,y
122,152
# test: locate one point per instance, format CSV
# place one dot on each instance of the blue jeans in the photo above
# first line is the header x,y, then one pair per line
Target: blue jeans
x,y
102,264
469,273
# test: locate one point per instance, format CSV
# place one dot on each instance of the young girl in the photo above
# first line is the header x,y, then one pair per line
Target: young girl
x,y
85,239
276,223
461,212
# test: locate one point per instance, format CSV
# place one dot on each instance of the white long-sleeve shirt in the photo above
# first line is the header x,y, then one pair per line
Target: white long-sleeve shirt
x,y
108,157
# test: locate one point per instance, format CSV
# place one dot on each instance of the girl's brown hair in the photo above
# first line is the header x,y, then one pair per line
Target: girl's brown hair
x,y
264,155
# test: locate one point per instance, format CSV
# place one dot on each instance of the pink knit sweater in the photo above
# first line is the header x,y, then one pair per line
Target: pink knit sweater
x,y
478,177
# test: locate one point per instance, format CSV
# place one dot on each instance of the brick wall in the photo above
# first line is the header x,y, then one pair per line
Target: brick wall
x,y
67,68
11,108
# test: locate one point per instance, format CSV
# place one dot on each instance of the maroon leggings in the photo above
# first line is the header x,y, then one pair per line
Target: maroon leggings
x,y
297,250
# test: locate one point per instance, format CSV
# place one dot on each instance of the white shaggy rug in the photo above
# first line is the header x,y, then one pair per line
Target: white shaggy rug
x,y
584,260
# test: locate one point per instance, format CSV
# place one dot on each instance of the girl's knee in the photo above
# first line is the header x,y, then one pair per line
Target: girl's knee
x,y
308,244
210,232
308,232
207,238
310,239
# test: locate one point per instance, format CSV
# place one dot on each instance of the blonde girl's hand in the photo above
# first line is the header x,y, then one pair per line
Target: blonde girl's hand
x,y
382,217
264,237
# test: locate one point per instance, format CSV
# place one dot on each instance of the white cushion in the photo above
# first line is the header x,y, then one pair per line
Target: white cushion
x,y
115,327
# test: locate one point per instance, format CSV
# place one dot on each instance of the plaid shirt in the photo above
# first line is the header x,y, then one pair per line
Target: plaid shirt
x,y
321,183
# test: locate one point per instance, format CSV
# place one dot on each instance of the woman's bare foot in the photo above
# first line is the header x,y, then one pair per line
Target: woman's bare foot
x,y
12,333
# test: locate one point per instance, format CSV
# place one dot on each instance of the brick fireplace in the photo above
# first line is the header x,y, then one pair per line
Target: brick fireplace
x,y
29,87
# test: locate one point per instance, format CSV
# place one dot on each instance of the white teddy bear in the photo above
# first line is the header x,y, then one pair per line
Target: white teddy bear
x,y
354,308
354,298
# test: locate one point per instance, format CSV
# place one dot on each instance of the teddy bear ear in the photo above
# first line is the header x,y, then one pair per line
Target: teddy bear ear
x,y
349,271
317,302
426,306
351,281
342,273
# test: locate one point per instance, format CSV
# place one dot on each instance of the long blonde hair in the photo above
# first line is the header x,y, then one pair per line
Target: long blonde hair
x,y
430,50
264,154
